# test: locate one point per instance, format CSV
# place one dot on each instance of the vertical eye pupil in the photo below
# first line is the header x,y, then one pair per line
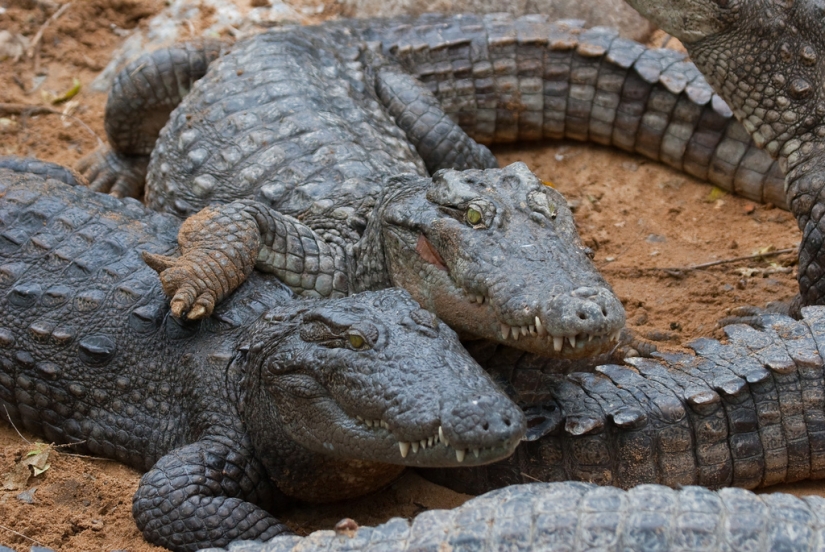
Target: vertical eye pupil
x,y
473,216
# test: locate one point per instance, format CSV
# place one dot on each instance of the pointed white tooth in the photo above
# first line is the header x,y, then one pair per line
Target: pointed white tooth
x,y
514,332
404,447
385,425
360,419
481,299
524,330
414,446
442,436
558,343
589,338
431,441
475,452
423,443
459,455
505,331
614,336
539,327
532,330
572,340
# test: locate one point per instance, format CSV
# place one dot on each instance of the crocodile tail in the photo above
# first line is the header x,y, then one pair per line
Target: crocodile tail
x,y
505,79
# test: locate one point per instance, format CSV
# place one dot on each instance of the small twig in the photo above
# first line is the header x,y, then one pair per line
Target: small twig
x,y
26,110
6,408
733,260
37,542
34,47
531,477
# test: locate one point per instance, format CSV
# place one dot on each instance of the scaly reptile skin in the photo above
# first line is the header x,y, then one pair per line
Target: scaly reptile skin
x,y
766,59
578,517
305,133
313,122
748,413
269,400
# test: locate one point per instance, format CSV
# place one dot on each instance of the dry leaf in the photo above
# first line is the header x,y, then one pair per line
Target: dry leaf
x,y
33,463
716,193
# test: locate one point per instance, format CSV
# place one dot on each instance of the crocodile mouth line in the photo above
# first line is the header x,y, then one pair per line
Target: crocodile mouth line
x,y
438,439
538,331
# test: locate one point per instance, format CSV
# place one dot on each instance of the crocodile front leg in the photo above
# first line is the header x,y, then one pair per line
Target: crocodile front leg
x,y
440,142
221,245
205,494
140,101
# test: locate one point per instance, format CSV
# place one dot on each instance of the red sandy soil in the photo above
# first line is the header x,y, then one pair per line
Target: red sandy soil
x,y
638,216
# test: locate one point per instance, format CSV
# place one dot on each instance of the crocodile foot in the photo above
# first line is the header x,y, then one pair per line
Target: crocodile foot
x,y
110,172
218,248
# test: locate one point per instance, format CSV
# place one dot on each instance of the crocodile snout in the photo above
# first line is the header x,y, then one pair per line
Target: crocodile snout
x,y
581,315
480,422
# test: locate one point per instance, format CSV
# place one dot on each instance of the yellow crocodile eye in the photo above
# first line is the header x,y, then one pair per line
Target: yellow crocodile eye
x,y
356,341
473,216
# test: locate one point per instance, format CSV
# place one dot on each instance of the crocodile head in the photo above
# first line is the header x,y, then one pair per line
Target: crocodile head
x,y
373,377
765,59
495,254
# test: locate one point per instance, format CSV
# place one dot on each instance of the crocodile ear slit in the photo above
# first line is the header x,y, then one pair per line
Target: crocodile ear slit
x,y
158,263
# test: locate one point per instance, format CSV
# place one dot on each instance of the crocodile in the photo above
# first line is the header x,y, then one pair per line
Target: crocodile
x,y
747,413
578,517
317,123
765,60
270,400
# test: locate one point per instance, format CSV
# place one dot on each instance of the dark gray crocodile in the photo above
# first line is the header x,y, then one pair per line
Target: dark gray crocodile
x,y
766,60
315,122
267,401
748,413
306,133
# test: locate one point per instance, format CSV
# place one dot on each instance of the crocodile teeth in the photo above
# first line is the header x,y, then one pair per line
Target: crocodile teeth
x,y
385,425
558,343
459,455
572,340
480,299
524,330
431,441
514,331
590,338
359,418
442,436
532,330
539,328
475,452
404,447
414,446
614,336
423,443
505,331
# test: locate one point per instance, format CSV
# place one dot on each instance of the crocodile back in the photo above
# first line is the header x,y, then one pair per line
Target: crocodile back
x,y
88,351
289,118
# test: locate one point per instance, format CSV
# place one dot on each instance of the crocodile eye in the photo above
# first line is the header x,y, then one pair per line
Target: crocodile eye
x,y
357,342
473,216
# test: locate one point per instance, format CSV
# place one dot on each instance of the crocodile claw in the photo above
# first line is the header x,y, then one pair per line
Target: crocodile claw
x,y
182,280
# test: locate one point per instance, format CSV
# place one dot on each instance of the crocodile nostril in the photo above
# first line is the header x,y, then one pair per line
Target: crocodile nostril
x,y
507,422
604,310
486,426
582,315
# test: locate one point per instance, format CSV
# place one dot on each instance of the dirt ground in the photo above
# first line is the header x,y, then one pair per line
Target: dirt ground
x,y
638,216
